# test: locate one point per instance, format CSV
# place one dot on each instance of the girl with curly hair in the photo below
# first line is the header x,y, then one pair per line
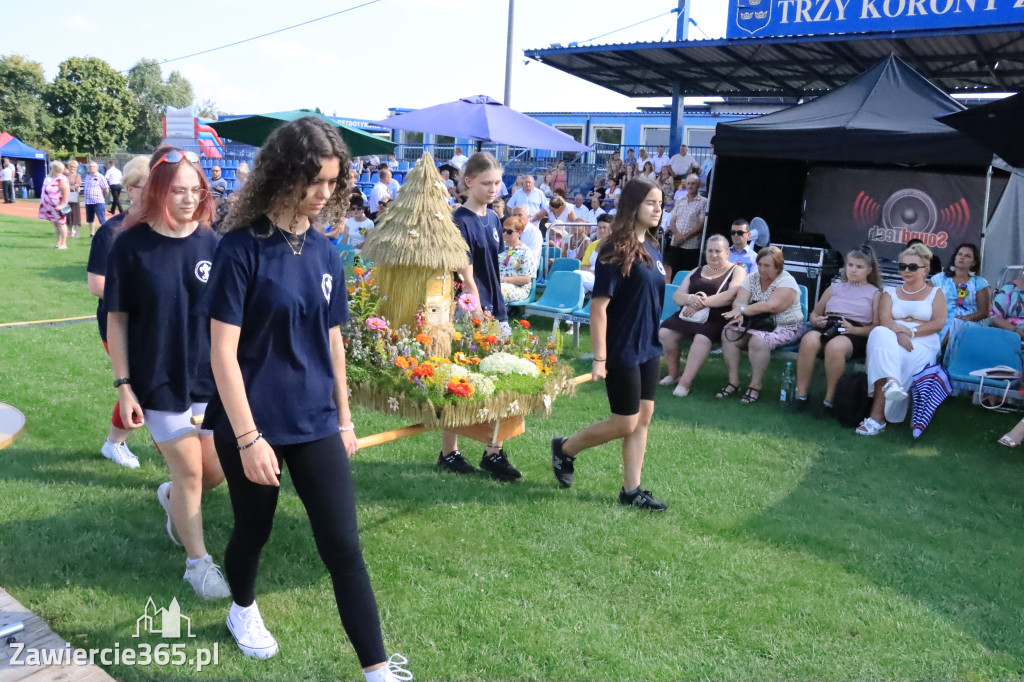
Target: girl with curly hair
x,y
277,300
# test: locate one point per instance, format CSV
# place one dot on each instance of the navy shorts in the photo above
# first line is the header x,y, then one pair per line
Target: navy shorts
x,y
97,211
627,386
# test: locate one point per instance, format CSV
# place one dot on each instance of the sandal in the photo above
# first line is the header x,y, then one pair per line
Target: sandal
x,y
727,391
869,427
749,397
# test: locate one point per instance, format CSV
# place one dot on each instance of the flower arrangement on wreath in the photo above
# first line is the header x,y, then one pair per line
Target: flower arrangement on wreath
x,y
415,345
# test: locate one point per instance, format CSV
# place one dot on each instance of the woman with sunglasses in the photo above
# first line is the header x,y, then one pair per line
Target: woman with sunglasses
x,y
159,344
276,302
905,341
968,296
517,264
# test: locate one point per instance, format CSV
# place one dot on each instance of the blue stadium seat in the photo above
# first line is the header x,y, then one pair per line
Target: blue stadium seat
x,y
364,177
669,307
562,297
678,278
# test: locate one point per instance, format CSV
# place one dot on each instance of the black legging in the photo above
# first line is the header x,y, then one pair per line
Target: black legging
x,y
115,199
320,472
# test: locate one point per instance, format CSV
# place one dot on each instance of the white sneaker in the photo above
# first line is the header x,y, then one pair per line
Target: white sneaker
x,y
163,494
393,671
680,391
206,579
251,636
668,380
120,454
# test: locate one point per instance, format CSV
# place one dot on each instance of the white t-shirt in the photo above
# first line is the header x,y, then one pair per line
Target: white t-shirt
x,y
379,191
393,188
356,231
532,238
459,161
681,164
7,173
113,176
660,161
374,161
582,213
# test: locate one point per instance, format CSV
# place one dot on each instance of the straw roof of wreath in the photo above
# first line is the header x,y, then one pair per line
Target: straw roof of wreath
x,y
417,229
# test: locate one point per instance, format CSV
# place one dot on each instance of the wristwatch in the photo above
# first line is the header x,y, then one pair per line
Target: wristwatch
x,y
743,310
121,381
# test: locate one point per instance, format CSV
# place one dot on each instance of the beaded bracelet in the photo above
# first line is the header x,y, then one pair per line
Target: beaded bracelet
x,y
347,428
250,443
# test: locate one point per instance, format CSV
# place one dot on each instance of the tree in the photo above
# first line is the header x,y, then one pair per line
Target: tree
x,y
151,97
91,105
22,112
208,109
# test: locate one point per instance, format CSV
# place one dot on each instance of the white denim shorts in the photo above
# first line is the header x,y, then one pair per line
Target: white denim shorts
x,y
165,426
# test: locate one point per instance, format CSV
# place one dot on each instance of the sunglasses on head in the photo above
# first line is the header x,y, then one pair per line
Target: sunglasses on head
x,y
176,156
912,267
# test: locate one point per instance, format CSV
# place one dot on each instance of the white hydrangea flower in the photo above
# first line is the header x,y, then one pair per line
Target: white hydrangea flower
x,y
393,404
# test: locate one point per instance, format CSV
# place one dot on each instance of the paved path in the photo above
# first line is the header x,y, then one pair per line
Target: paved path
x,y
38,635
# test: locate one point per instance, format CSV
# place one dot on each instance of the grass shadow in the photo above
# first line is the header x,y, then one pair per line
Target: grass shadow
x,y
74,273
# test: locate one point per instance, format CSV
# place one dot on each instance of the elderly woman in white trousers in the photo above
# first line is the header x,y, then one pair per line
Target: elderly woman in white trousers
x,y
905,341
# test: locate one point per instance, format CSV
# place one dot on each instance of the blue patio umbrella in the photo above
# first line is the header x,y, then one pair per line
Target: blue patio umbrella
x,y
929,388
484,119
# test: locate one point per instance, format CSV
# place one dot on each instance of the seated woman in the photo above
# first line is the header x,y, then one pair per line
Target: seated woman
x,y
1008,307
648,171
589,260
905,341
667,182
840,324
968,296
577,241
770,290
712,287
517,265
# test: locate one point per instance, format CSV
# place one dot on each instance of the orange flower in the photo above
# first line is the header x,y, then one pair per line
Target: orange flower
x,y
351,290
461,359
424,339
533,338
358,272
401,363
491,338
424,370
413,362
525,324
478,337
460,387
476,322
474,361
552,359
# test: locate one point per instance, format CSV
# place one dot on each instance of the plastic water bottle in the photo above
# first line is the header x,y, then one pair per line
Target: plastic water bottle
x,y
788,384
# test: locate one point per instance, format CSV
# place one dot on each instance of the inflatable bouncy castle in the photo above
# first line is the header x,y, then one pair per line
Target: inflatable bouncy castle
x,y
185,130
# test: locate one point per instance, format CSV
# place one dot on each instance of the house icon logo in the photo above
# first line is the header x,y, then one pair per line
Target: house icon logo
x,y
164,622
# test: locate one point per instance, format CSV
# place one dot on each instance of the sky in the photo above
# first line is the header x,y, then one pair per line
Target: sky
x,y
391,53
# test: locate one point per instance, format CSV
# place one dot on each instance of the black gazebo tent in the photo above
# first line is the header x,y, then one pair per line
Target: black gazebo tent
x,y
882,119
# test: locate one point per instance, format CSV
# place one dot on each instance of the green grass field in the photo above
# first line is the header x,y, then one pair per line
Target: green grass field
x,y
793,549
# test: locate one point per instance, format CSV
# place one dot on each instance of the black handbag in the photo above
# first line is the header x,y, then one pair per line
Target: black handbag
x,y
761,322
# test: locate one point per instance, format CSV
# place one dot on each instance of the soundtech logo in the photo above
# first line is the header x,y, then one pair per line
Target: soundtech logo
x,y
910,214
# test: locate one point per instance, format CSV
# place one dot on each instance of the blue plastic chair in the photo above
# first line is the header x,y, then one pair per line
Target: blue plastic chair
x,y
346,251
669,307
562,297
564,265
678,278
364,177
790,349
529,299
974,347
374,178
579,318
404,166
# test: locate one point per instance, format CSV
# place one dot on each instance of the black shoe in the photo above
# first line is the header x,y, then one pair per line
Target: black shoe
x,y
497,465
455,462
828,411
642,499
561,463
798,406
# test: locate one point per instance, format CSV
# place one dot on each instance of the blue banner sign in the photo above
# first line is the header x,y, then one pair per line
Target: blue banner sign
x,y
762,18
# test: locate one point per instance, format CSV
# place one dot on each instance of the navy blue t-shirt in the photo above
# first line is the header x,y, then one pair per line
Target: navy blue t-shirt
x,y
634,311
483,234
99,251
285,306
161,283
